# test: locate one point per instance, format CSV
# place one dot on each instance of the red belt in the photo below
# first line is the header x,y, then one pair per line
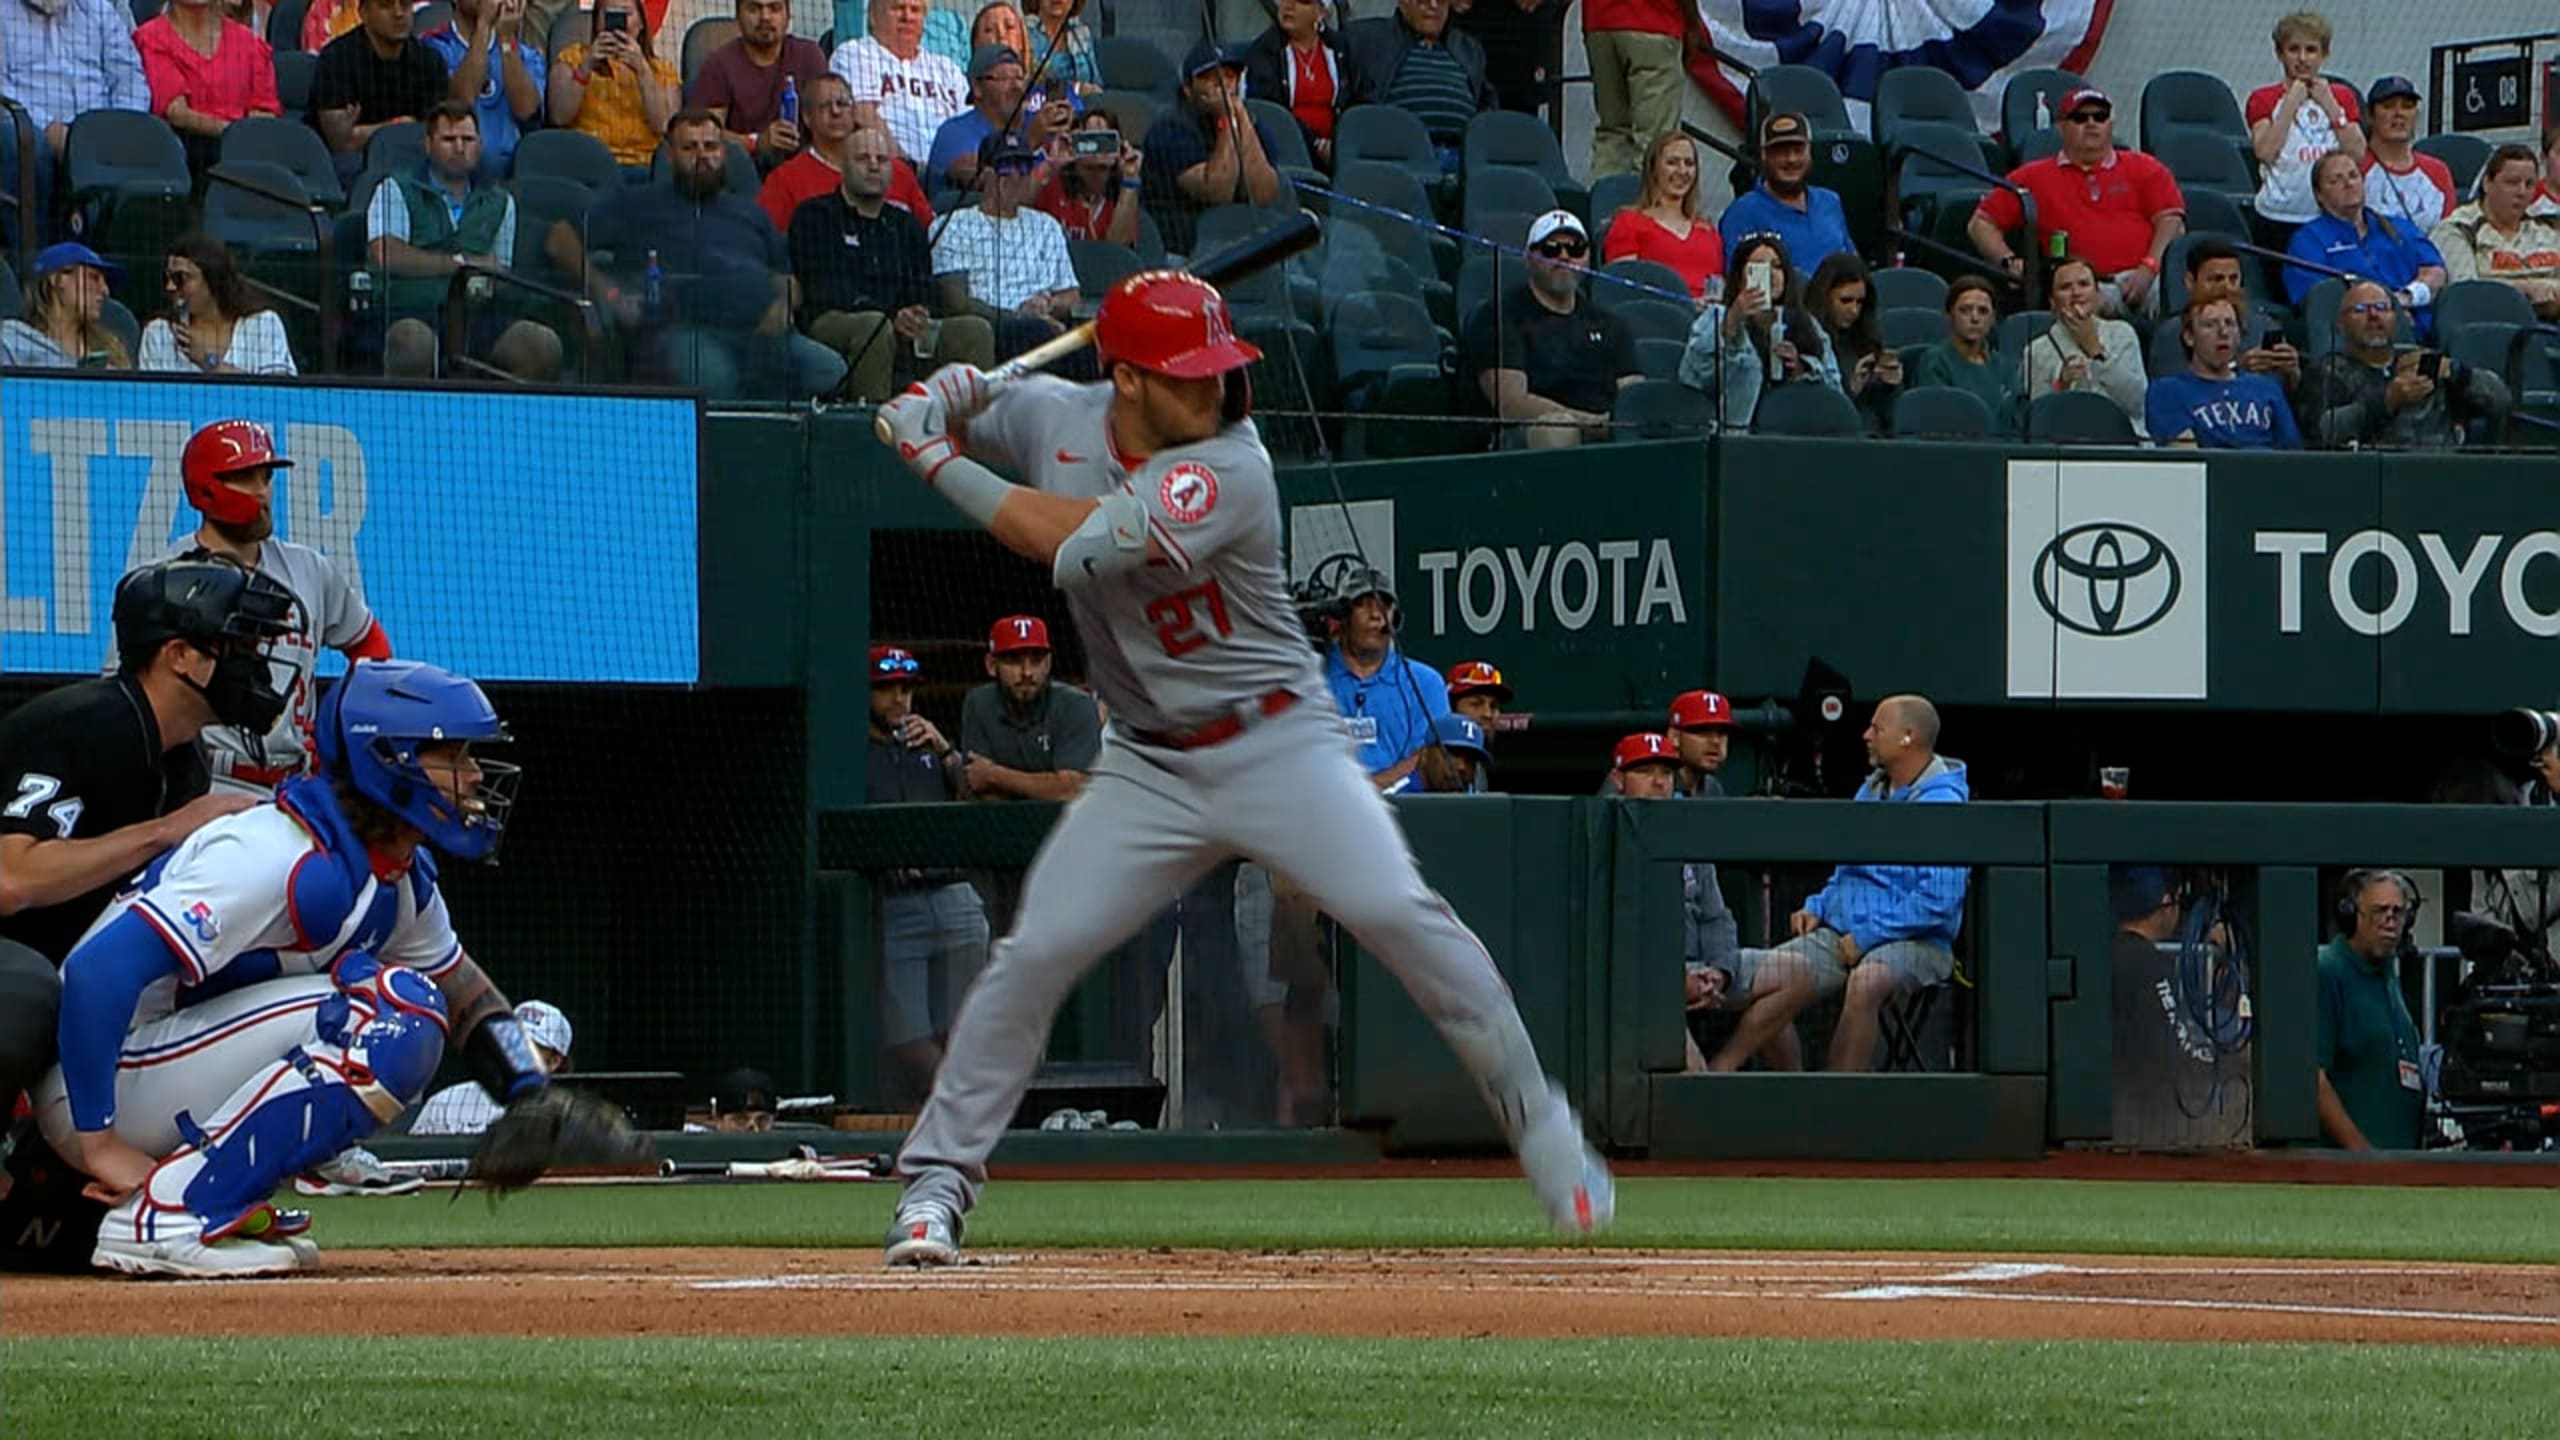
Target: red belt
x,y
1225,727
269,776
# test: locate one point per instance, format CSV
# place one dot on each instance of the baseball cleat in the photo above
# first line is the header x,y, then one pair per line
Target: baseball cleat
x,y
1567,1175
191,1257
355,1172
289,1228
924,1234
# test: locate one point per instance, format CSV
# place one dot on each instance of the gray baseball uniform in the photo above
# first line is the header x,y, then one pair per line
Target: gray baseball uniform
x,y
1206,637
334,616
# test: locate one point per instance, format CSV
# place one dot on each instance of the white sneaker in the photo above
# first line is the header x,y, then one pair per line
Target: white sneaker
x,y
355,1172
188,1255
1567,1175
925,1233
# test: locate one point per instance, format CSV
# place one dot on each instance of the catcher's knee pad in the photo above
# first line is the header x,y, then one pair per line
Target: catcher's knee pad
x,y
30,998
382,990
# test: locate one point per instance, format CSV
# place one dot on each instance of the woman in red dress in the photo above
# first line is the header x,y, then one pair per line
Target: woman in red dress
x,y
1664,225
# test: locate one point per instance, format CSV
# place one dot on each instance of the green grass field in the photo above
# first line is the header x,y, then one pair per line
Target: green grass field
x,y
1214,1386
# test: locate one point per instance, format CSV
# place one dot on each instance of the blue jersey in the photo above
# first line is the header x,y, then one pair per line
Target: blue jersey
x,y
1390,713
2245,412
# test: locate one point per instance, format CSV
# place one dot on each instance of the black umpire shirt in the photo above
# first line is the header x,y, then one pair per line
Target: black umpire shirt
x,y
1574,359
849,263
81,762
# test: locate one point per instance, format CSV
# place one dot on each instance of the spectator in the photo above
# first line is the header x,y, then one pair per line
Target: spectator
x,y
864,265
1458,761
2369,392
1523,42
720,262
1096,196
1843,301
1055,101
827,108
2370,1096
2414,187
896,81
2296,121
422,229
742,1103
933,927
612,85
465,1108
205,71
374,75
1873,932
2546,196
1638,81
492,66
1806,219
216,324
1387,698
998,25
747,81
1004,262
1023,735
2494,238
1299,65
1663,226
1757,337
2210,404
1969,359
2213,270
1702,731
1062,48
1544,356
1477,691
2347,236
1206,151
1412,59
66,293
2120,208
996,89
62,59
2083,350
326,20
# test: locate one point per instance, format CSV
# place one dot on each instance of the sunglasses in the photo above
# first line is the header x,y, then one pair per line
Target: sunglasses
x,y
2089,117
2370,307
896,665
1477,675
1563,249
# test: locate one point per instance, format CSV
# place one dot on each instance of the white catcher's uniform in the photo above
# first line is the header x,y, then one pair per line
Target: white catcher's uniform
x,y
1225,742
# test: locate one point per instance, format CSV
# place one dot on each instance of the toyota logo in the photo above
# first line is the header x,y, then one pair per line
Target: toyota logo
x,y
2107,578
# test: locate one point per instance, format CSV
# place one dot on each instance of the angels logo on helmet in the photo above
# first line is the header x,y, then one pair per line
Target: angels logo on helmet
x,y
1189,492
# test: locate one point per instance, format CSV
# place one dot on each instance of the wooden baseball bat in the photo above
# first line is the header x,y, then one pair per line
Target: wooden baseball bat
x,y
1254,253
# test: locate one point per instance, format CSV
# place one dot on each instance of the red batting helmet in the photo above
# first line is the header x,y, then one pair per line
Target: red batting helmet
x,y
1171,323
225,448
1646,749
1701,710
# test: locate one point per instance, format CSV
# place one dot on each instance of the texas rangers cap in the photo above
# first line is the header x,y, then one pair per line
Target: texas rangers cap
x,y
888,662
1701,710
1556,222
1785,128
1650,748
2087,95
2391,87
1018,632
1457,732
1469,676
545,1026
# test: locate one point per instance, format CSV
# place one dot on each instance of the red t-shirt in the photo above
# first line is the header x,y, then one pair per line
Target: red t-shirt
x,y
1634,235
237,80
1652,17
1082,219
805,177
1311,88
2107,211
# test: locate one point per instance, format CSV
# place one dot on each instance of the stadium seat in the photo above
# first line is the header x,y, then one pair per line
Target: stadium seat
x,y
2534,377
573,26
2078,417
1941,412
1133,62
1512,140
1173,25
2038,145
2016,332
1393,257
1287,149
2205,162
740,171
293,82
120,323
1392,362
1913,94
1389,135
284,28
1659,359
1663,410
1150,246
700,39
1802,89
289,143
1503,189
2218,213
1479,275
1922,171
2320,318
1101,265
1278,286
2177,100
1904,325
1653,319
1374,331
2465,155
1611,194
2018,106
395,148
1282,406
1643,280
144,10
1386,194
1909,287
572,155
541,200
1137,111
2472,302
10,300
2482,344
125,171
1806,407
258,222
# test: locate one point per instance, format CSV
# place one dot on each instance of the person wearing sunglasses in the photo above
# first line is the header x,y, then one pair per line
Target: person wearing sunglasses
x,y
2346,235
2371,392
1478,691
2120,208
933,927
1003,261
1546,358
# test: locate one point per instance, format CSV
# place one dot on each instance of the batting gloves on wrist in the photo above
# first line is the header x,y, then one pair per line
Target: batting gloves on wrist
x,y
918,427
964,390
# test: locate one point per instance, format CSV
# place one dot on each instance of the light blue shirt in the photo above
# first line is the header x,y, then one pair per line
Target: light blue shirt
x,y
62,66
1390,713
500,131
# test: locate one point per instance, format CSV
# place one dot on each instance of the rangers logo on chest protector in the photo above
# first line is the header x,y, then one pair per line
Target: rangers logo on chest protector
x,y
1190,492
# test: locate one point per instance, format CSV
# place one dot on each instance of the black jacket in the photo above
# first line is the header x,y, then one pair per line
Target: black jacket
x,y
1376,47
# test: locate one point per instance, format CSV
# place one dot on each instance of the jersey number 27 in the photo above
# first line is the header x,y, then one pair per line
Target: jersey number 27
x,y
1177,617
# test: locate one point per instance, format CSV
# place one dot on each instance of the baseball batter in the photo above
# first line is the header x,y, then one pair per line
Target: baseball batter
x,y
1151,499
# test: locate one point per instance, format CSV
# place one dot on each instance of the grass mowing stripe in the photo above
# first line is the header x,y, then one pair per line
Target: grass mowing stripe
x,y
249,1387
2026,1216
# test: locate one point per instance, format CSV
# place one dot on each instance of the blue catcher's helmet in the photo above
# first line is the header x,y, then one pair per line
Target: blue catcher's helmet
x,y
369,730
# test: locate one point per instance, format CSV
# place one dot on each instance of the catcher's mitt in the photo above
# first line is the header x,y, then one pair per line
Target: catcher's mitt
x,y
551,1127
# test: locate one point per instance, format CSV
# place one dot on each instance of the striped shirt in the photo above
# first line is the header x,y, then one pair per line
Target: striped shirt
x,y
65,64
1008,261
1433,85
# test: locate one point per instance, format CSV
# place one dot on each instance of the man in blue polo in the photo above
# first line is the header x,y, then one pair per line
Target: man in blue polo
x,y
1806,218
2347,235
1388,699
2370,1094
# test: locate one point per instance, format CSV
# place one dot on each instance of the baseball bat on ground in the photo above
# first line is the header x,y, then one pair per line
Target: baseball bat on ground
x,y
1254,253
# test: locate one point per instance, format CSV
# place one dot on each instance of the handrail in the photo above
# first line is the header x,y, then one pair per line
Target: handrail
x,y
324,242
23,194
2550,334
457,317
2030,280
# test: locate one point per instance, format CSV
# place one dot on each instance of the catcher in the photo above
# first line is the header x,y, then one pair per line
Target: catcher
x,y
284,983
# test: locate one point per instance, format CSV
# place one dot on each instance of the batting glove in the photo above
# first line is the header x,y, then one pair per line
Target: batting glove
x,y
964,391
920,432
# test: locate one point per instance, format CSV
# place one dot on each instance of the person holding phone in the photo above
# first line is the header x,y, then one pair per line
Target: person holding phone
x,y
1093,181
612,85
2371,392
215,324
1756,336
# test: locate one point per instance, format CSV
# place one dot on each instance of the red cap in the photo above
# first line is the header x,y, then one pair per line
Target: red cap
x,y
1647,749
1468,676
1018,632
888,662
2087,95
1700,709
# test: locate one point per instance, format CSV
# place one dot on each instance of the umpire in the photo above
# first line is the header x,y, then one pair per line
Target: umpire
x,y
103,775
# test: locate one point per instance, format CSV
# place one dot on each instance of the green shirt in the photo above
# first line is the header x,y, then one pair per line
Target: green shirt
x,y
1994,381
2365,1036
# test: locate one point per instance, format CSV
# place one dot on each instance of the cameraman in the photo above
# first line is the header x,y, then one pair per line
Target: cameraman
x,y
2524,899
2367,392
